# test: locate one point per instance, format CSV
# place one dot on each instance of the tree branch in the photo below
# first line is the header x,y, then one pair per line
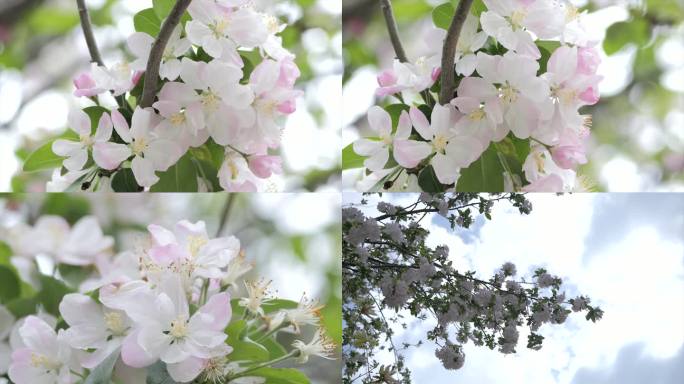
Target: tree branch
x,y
386,6
88,33
154,60
449,51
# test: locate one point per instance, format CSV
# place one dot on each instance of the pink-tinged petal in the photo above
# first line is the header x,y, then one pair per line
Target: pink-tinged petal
x,y
463,150
387,78
562,63
104,128
121,126
79,121
163,153
65,148
409,153
442,118
445,170
110,155
38,335
404,126
525,45
143,171
588,60
590,96
133,354
264,77
380,121
477,88
550,183
141,122
287,107
421,123
264,166
181,93
436,72
76,160
466,104
167,108
161,235
167,254
377,160
365,147
186,370
76,309
219,309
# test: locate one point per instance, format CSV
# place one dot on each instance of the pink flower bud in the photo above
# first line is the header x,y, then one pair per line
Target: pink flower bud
x,y
85,85
289,73
588,60
569,156
436,73
387,78
136,77
287,107
590,96
264,166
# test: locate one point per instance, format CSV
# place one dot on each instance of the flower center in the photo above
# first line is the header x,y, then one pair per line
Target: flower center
x,y
439,143
539,161
42,361
195,243
179,328
387,139
177,118
115,323
218,28
517,18
477,114
139,146
508,93
271,24
210,100
86,140
266,107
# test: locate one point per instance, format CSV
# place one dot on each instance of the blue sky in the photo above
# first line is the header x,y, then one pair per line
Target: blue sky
x,y
625,251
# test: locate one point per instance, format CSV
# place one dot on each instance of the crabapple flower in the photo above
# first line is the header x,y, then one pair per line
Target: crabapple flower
x,y
86,86
93,327
510,21
451,356
469,42
151,151
224,101
452,150
220,30
307,312
407,153
46,358
257,294
181,108
76,152
264,166
479,101
544,174
140,44
235,175
190,251
524,95
416,76
321,345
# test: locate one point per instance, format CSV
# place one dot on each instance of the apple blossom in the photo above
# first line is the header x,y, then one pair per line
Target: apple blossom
x,y
76,152
140,44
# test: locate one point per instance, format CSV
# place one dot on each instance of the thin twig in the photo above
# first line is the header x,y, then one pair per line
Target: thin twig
x,y
154,60
226,212
449,50
88,33
386,6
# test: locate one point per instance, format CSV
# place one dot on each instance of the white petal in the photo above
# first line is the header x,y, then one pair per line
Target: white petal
x,y
104,128
110,155
408,153
445,170
378,160
65,148
143,171
79,121
77,160
365,147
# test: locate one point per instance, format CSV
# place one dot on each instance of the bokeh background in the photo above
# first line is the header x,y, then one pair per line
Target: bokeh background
x,y
292,239
42,49
638,125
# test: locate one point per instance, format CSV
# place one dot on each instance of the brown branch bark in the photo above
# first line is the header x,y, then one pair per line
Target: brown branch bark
x,y
154,60
449,51
386,6
88,33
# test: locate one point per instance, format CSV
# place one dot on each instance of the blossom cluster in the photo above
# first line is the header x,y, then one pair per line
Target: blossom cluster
x,y
212,91
507,87
389,267
168,300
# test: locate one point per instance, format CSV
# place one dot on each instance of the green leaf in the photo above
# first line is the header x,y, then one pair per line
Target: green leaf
x,y
124,181
147,21
51,20
484,175
477,8
395,111
102,374
51,293
428,182
157,374
181,177
275,350
281,375
618,35
208,173
9,284
351,159
42,158
442,15
22,307
162,8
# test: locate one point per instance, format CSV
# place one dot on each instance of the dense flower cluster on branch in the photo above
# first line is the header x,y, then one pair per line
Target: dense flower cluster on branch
x,y
523,71
226,87
164,311
389,272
